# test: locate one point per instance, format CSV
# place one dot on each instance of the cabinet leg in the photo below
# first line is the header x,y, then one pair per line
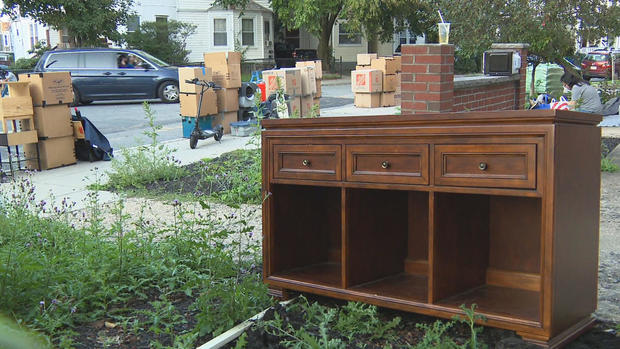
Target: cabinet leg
x,y
279,293
561,339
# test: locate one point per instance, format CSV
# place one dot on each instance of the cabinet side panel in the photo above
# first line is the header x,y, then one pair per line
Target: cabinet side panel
x,y
576,224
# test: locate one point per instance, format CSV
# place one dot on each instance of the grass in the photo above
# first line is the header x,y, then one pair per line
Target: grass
x,y
608,166
331,76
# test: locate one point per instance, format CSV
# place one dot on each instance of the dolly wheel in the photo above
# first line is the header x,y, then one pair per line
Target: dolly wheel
x,y
219,132
193,141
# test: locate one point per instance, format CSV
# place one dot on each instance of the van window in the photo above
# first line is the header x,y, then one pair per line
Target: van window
x,y
62,61
100,60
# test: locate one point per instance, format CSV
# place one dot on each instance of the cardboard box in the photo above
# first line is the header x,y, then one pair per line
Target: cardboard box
x,y
307,102
362,67
365,58
78,130
319,89
294,107
227,99
226,68
398,63
230,77
387,99
318,67
317,102
190,73
49,88
222,58
308,81
224,119
389,83
189,104
288,79
386,64
398,82
53,152
367,100
53,121
18,88
15,106
366,81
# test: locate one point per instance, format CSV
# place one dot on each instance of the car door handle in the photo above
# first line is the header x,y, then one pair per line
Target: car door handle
x,y
107,73
122,73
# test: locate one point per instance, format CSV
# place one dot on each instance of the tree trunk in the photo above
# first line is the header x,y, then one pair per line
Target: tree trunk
x,y
532,82
324,50
373,45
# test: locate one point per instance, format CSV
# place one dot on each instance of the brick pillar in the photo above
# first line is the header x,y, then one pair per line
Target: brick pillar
x,y
522,49
427,80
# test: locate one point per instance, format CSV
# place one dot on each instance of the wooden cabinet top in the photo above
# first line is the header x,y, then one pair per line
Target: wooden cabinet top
x,y
517,117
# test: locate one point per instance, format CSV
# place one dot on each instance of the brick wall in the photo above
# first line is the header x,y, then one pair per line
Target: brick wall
x,y
428,83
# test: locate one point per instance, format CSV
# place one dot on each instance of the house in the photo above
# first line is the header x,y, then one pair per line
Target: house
x,y
218,29
20,35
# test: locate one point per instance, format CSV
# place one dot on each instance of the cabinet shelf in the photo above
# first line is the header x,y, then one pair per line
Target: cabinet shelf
x,y
327,274
402,286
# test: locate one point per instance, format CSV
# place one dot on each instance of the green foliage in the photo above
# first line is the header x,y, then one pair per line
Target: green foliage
x,y
145,164
545,25
435,336
470,319
89,23
59,269
608,166
327,327
29,63
234,178
164,40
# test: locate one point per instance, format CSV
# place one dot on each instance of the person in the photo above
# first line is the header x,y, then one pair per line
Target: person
x,y
123,62
584,97
6,76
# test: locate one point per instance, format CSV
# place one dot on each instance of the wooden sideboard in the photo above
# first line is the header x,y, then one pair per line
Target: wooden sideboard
x,y
426,212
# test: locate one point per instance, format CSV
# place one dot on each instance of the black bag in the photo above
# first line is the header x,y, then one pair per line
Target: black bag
x,y
95,146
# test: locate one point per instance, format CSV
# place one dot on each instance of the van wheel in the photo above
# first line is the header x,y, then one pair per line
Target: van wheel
x,y
169,92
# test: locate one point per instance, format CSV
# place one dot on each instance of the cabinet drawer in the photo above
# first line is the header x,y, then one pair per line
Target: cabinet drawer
x,y
315,162
486,165
387,163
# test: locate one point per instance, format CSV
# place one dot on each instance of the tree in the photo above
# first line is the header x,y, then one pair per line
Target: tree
x,y
87,21
377,19
165,40
28,63
549,26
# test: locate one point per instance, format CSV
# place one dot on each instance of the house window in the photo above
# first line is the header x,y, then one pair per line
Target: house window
x,y
267,30
220,37
133,23
247,32
347,36
161,19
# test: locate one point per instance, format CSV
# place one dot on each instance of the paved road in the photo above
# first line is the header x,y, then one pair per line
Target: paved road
x,y
123,123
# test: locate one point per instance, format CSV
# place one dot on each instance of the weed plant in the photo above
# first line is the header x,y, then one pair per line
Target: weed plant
x,y
60,269
145,164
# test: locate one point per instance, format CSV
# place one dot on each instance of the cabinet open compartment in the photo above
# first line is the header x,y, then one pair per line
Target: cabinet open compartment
x,y
386,243
306,241
487,250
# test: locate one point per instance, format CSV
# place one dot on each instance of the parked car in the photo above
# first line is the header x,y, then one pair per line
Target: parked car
x,y
111,74
598,64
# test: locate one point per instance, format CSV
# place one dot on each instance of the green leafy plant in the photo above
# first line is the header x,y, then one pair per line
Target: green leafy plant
x,y
164,40
136,167
608,166
470,319
435,336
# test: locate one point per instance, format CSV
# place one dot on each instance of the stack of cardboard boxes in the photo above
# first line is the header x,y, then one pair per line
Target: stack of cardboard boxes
x,y
218,106
226,68
51,95
16,119
375,81
312,79
301,84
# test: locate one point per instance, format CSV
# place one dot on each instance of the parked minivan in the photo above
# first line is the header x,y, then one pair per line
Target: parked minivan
x,y
109,74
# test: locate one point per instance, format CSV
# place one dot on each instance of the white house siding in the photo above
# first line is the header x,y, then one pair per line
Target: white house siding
x,y
259,50
148,10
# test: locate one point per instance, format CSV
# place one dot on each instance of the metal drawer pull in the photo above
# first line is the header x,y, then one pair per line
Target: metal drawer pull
x,y
306,162
482,166
385,164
